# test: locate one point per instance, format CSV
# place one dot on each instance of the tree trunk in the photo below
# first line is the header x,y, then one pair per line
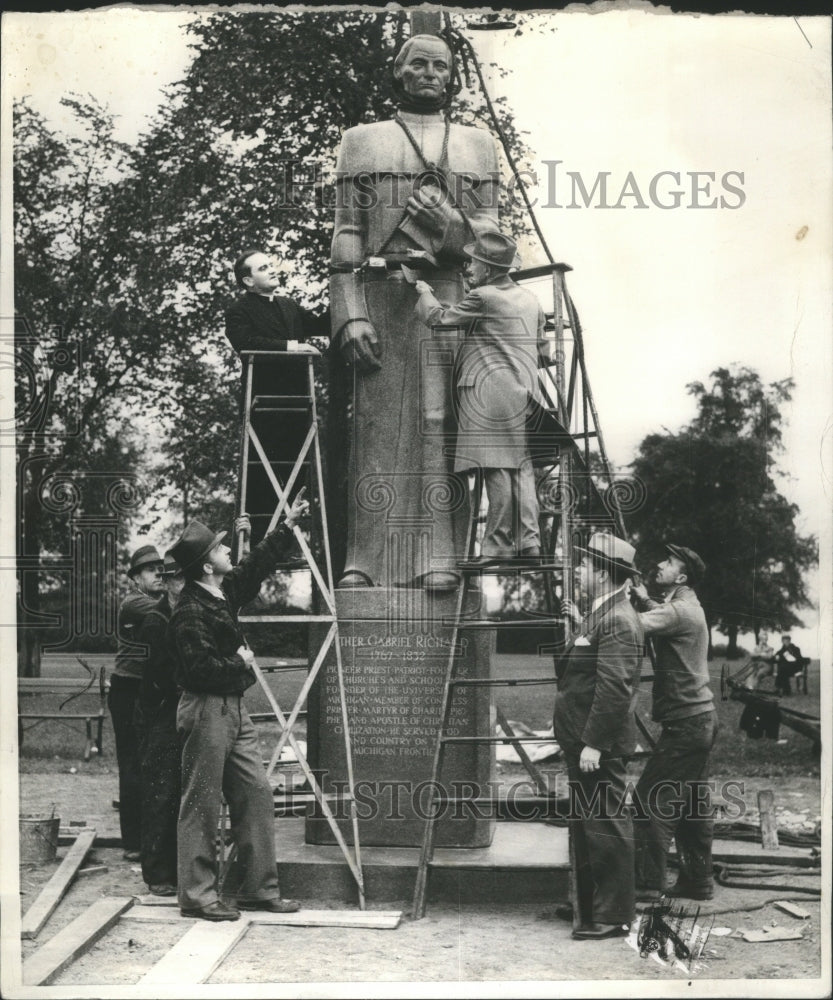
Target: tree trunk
x,y
28,638
732,652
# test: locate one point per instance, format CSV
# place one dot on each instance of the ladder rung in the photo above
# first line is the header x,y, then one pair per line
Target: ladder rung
x,y
287,398
305,795
511,623
269,717
503,681
589,434
299,663
498,739
509,567
498,800
280,409
288,619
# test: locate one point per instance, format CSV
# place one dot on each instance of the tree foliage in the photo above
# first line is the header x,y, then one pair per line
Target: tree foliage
x,y
713,487
123,255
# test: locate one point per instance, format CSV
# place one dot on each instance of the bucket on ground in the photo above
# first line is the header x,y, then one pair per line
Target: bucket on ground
x,y
39,838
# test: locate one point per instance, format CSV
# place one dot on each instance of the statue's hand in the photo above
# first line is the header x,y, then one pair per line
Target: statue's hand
x,y
360,345
431,209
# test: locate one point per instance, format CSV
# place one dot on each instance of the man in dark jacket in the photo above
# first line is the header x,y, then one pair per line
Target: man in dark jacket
x,y
160,749
221,755
598,682
147,587
672,789
788,662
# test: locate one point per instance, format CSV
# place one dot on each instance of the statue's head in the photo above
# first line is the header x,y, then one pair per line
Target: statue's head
x,y
422,69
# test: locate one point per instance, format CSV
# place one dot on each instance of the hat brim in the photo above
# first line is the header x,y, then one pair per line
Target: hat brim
x,y
217,539
144,561
602,557
693,573
469,251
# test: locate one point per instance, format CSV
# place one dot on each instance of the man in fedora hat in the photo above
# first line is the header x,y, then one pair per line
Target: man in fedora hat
x,y
147,587
673,787
220,753
497,377
598,683
160,750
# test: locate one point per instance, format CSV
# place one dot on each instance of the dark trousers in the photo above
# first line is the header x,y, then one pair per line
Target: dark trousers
x,y
161,753
674,801
121,700
221,757
602,832
785,672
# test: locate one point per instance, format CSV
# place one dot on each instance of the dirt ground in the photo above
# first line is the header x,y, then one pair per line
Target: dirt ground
x,y
460,943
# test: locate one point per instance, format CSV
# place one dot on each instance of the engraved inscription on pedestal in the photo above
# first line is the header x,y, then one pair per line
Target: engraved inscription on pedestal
x,y
394,672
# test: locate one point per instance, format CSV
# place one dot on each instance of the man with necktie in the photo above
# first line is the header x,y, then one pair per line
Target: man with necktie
x,y
598,683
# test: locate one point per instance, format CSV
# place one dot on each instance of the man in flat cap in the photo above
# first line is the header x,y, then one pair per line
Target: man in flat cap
x,y
598,683
160,750
220,754
147,587
496,368
672,790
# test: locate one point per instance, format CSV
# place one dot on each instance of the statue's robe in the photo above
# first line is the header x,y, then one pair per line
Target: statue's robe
x,y
406,510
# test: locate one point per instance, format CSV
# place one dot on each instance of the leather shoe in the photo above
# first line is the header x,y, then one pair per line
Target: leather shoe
x,y
163,889
132,855
684,890
214,911
276,905
564,911
597,932
442,582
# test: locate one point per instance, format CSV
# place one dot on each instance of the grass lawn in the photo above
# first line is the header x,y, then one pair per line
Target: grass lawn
x,y
734,752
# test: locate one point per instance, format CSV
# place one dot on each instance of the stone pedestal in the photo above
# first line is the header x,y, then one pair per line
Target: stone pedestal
x,y
395,646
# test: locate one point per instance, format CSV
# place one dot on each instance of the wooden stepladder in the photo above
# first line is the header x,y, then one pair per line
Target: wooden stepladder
x,y
280,452
577,495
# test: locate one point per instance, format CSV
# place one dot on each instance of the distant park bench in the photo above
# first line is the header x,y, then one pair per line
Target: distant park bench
x,y
71,685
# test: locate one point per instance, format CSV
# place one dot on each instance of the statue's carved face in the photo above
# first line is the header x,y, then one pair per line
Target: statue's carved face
x,y
426,69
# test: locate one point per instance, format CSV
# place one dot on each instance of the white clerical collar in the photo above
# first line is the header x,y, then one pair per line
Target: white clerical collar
x,y
606,597
214,591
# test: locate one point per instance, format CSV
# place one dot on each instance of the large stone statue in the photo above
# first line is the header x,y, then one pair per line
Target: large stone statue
x,y
411,191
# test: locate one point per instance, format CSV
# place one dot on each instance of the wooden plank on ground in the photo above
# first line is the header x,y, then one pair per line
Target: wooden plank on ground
x,y
769,822
197,953
52,893
381,920
50,959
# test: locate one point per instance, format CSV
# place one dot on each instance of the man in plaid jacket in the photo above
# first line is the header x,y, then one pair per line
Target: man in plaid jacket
x,y
220,752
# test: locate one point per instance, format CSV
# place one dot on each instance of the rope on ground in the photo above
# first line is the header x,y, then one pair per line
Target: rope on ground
x,y
724,875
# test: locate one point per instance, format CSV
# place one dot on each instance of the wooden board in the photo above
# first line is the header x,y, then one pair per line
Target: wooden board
x,y
369,919
197,953
52,893
60,951
769,823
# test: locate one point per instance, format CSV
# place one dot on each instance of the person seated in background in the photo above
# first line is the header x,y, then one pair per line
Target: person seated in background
x,y
262,320
762,662
789,663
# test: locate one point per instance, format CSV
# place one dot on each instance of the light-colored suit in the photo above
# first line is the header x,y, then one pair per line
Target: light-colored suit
x,y
496,374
